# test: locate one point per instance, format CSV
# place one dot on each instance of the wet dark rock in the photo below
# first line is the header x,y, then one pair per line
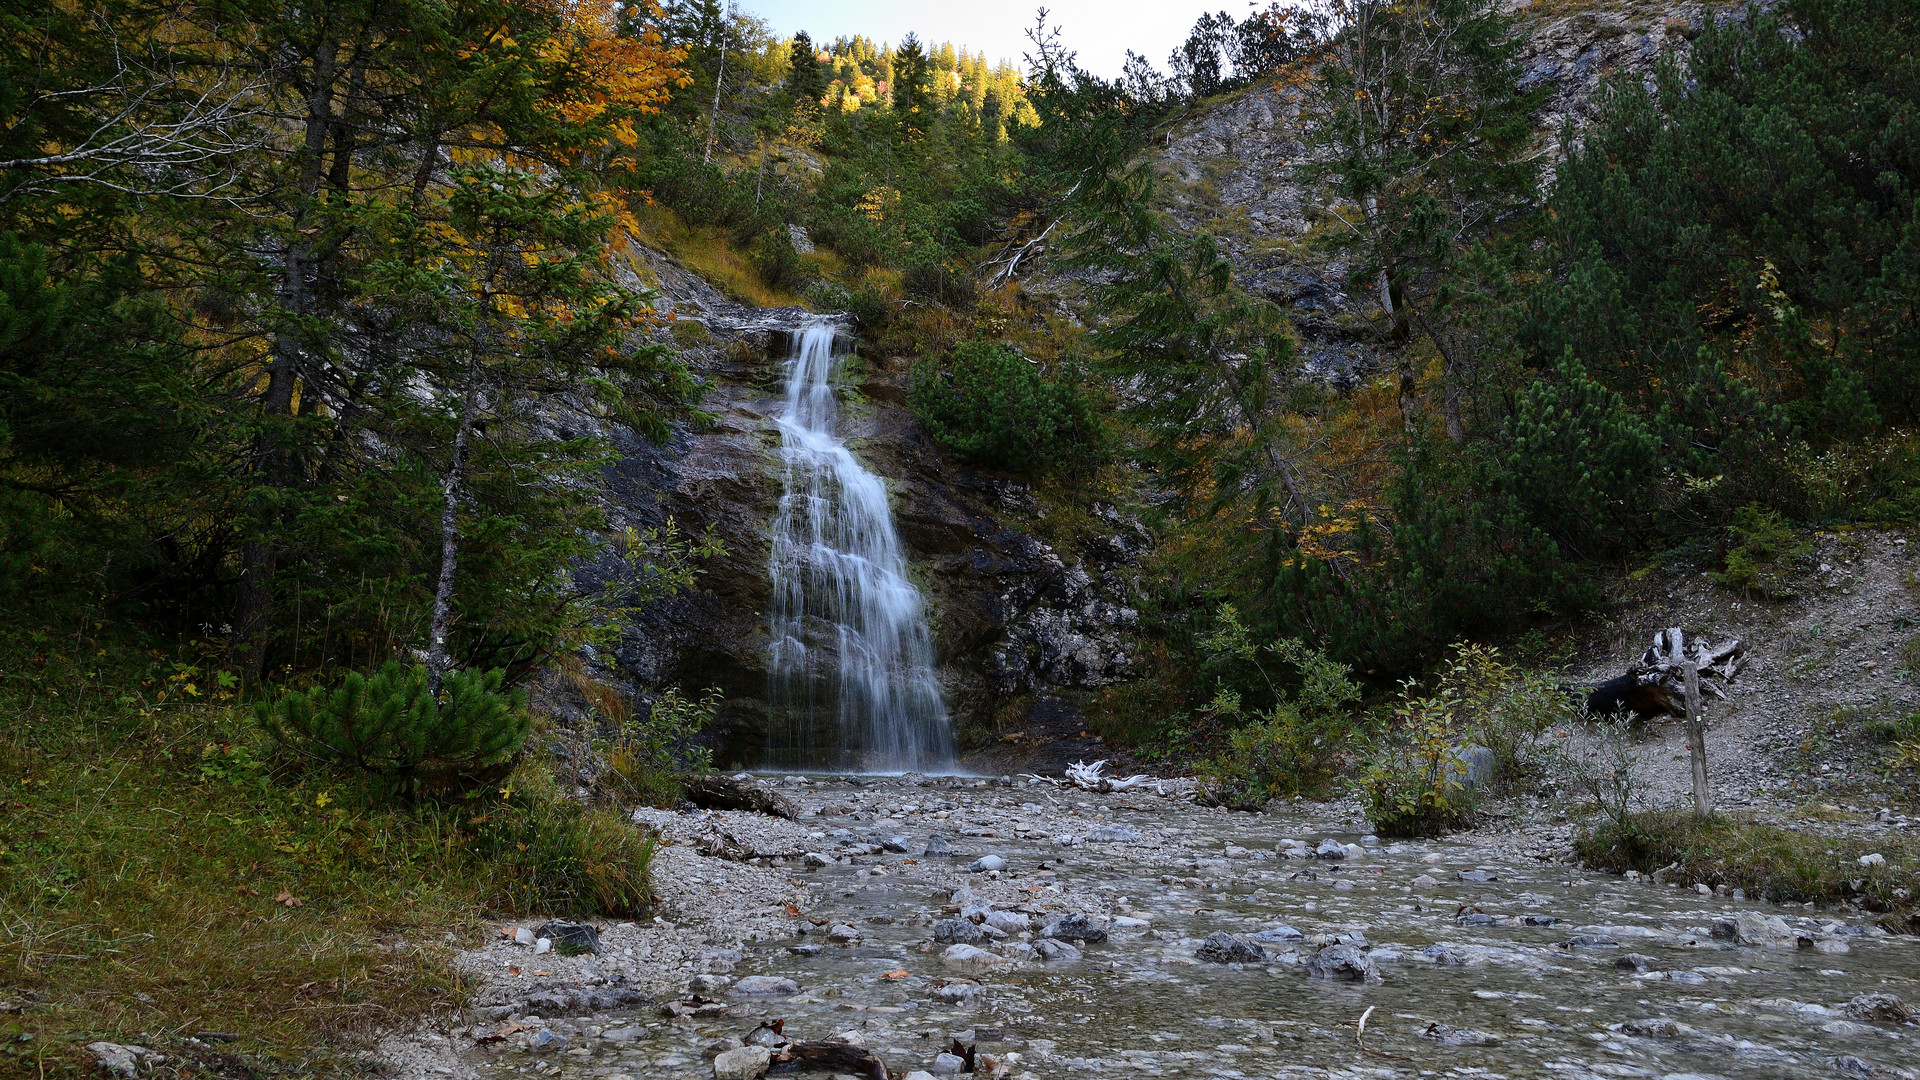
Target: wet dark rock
x,y
1224,948
1654,1027
1852,1067
1074,927
1589,941
1282,932
937,845
1881,1008
1344,962
1052,951
1331,849
1540,920
1453,1036
805,950
1477,877
570,937
899,845
1633,961
958,932
546,1041
1441,956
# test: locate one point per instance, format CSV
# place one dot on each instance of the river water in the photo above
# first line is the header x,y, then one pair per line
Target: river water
x,y
1494,963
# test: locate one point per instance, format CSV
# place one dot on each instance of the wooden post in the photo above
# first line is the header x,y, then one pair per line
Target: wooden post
x,y
1697,744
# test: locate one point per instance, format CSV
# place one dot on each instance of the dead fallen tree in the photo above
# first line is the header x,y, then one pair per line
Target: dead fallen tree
x,y
1656,683
717,792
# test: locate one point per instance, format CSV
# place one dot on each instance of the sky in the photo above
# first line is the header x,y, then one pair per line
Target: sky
x,y
1101,31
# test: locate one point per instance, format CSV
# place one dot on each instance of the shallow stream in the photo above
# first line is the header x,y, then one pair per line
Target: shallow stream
x,y
1543,970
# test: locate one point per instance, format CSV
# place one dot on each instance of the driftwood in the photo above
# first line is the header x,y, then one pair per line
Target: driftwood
x,y
828,1057
716,792
1094,778
1656,684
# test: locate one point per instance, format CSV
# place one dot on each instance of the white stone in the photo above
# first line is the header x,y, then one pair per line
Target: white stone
x,y
1875,859
970,959
746,1063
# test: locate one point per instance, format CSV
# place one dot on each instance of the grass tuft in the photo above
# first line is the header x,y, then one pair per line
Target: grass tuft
x,y
1770,863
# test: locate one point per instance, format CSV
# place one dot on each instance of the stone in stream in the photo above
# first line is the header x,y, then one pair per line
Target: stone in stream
x,y
1883,1008
1423,882
815,860
1331,849
623,1034
546,1041
746,1063
843,934
1453,1036
764,986
1753,928
1654,1027
948,1065
708,985
1478,877
1055,951
1073,927
1343,962
804,950
1280,932
1007,922
937,845
987,864
957,932
971,960
1127,923
955,992
1114,834
1224,948
1633,961
1441,956
899,845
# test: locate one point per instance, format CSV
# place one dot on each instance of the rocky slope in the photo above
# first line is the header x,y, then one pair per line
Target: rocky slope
x,y
1231,168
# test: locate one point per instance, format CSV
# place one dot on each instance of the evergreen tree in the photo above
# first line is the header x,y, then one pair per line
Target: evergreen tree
x,y
911,86
807,80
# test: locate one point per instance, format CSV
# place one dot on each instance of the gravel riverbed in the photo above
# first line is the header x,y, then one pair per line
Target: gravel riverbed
x,y
1133,935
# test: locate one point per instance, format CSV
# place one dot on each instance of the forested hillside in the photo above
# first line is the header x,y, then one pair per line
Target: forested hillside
x,y
1278,411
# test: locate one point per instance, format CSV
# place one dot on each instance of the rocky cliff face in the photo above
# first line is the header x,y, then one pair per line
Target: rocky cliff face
x,y
1231,169
1013,618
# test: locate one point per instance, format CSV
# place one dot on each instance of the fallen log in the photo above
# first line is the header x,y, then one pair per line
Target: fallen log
x,y
716,792
1656,683
829,1057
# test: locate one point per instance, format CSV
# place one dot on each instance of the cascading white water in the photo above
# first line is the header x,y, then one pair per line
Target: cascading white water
x,y
852,663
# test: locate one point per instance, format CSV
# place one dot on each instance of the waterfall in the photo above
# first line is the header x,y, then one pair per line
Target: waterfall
x,y
852,664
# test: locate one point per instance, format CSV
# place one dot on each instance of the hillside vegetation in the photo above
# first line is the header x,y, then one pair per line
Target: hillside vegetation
x,y
317,326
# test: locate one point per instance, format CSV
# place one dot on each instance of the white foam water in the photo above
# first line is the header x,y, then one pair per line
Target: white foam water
x,y
852,664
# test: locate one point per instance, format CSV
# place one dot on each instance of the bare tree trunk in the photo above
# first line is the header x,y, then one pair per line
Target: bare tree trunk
x,y
437,658
283,372
1697,744
719,80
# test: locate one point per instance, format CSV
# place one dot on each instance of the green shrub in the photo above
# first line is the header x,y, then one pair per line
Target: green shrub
x,y
1294,747
994,407
778,260
540,852
1414,781
391,727
649,756
1763,551
1579,460
931,280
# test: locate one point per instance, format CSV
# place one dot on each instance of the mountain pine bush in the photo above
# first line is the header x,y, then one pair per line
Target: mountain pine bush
x,y
392,727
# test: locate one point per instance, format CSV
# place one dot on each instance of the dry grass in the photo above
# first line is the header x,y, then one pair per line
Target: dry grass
x,y
708,252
